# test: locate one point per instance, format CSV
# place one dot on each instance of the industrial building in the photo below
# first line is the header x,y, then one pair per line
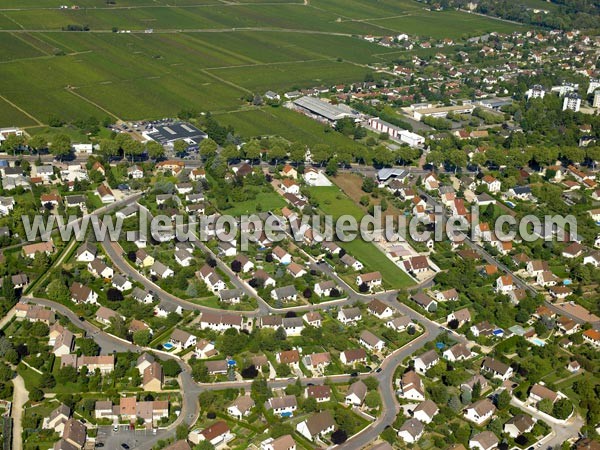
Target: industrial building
x,y
396,133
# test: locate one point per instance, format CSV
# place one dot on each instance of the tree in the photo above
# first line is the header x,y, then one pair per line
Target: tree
x,y
368,185
476,390
339,436
236,266
57,290
109,147
562,408
277,152
371,383
12,143
142,337
155,150
332,168
181,432
230,153
320,153
388,435
36,395
38,142
60,146
180,146
503,400
372,399
88,346
252,150
208,148
171,368
114,295
259,390
297,152
310,405
8,290
545,406
204,445
132,148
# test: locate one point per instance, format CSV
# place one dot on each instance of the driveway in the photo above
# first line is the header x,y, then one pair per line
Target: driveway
x,y
20,397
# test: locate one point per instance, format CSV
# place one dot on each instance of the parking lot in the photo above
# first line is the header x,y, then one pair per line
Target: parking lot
x,y
112,440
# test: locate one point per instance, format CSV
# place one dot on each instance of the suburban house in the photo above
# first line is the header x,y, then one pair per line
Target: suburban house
x,y
324,288
285,442
211,278
98,268
217,434
143,259
370,341
182,339
284,294
221,321
424,301
42,247
86,252
411,431
497,368
241,407
462,316
353,356
349,261
313,319
356,394
281,256
426,361
539,392
349,316
282,406
380,309
410,387
289,357
426,411
316,425
105,194
160,270
519,424
480,411
121,283
152,378
57,419
232,296
486,440
399,323
205,349
457,352
321,393
83,294
371,279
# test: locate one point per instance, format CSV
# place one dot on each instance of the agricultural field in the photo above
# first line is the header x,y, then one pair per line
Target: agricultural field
x,y
334,202
283,122
201,54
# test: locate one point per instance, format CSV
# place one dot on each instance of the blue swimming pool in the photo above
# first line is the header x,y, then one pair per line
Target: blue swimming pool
x,y
538,342
168,346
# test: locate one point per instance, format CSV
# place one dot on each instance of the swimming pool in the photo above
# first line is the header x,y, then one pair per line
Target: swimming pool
x,y
538,342
168,346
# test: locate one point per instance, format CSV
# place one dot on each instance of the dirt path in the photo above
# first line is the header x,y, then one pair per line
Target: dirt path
x,y
7,318
20,397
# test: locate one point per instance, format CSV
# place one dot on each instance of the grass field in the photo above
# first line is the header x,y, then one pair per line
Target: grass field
x,y
283,122
334,202
204,54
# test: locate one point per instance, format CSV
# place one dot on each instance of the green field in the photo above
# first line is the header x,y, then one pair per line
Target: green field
x,y
334,202
286,123
203,54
